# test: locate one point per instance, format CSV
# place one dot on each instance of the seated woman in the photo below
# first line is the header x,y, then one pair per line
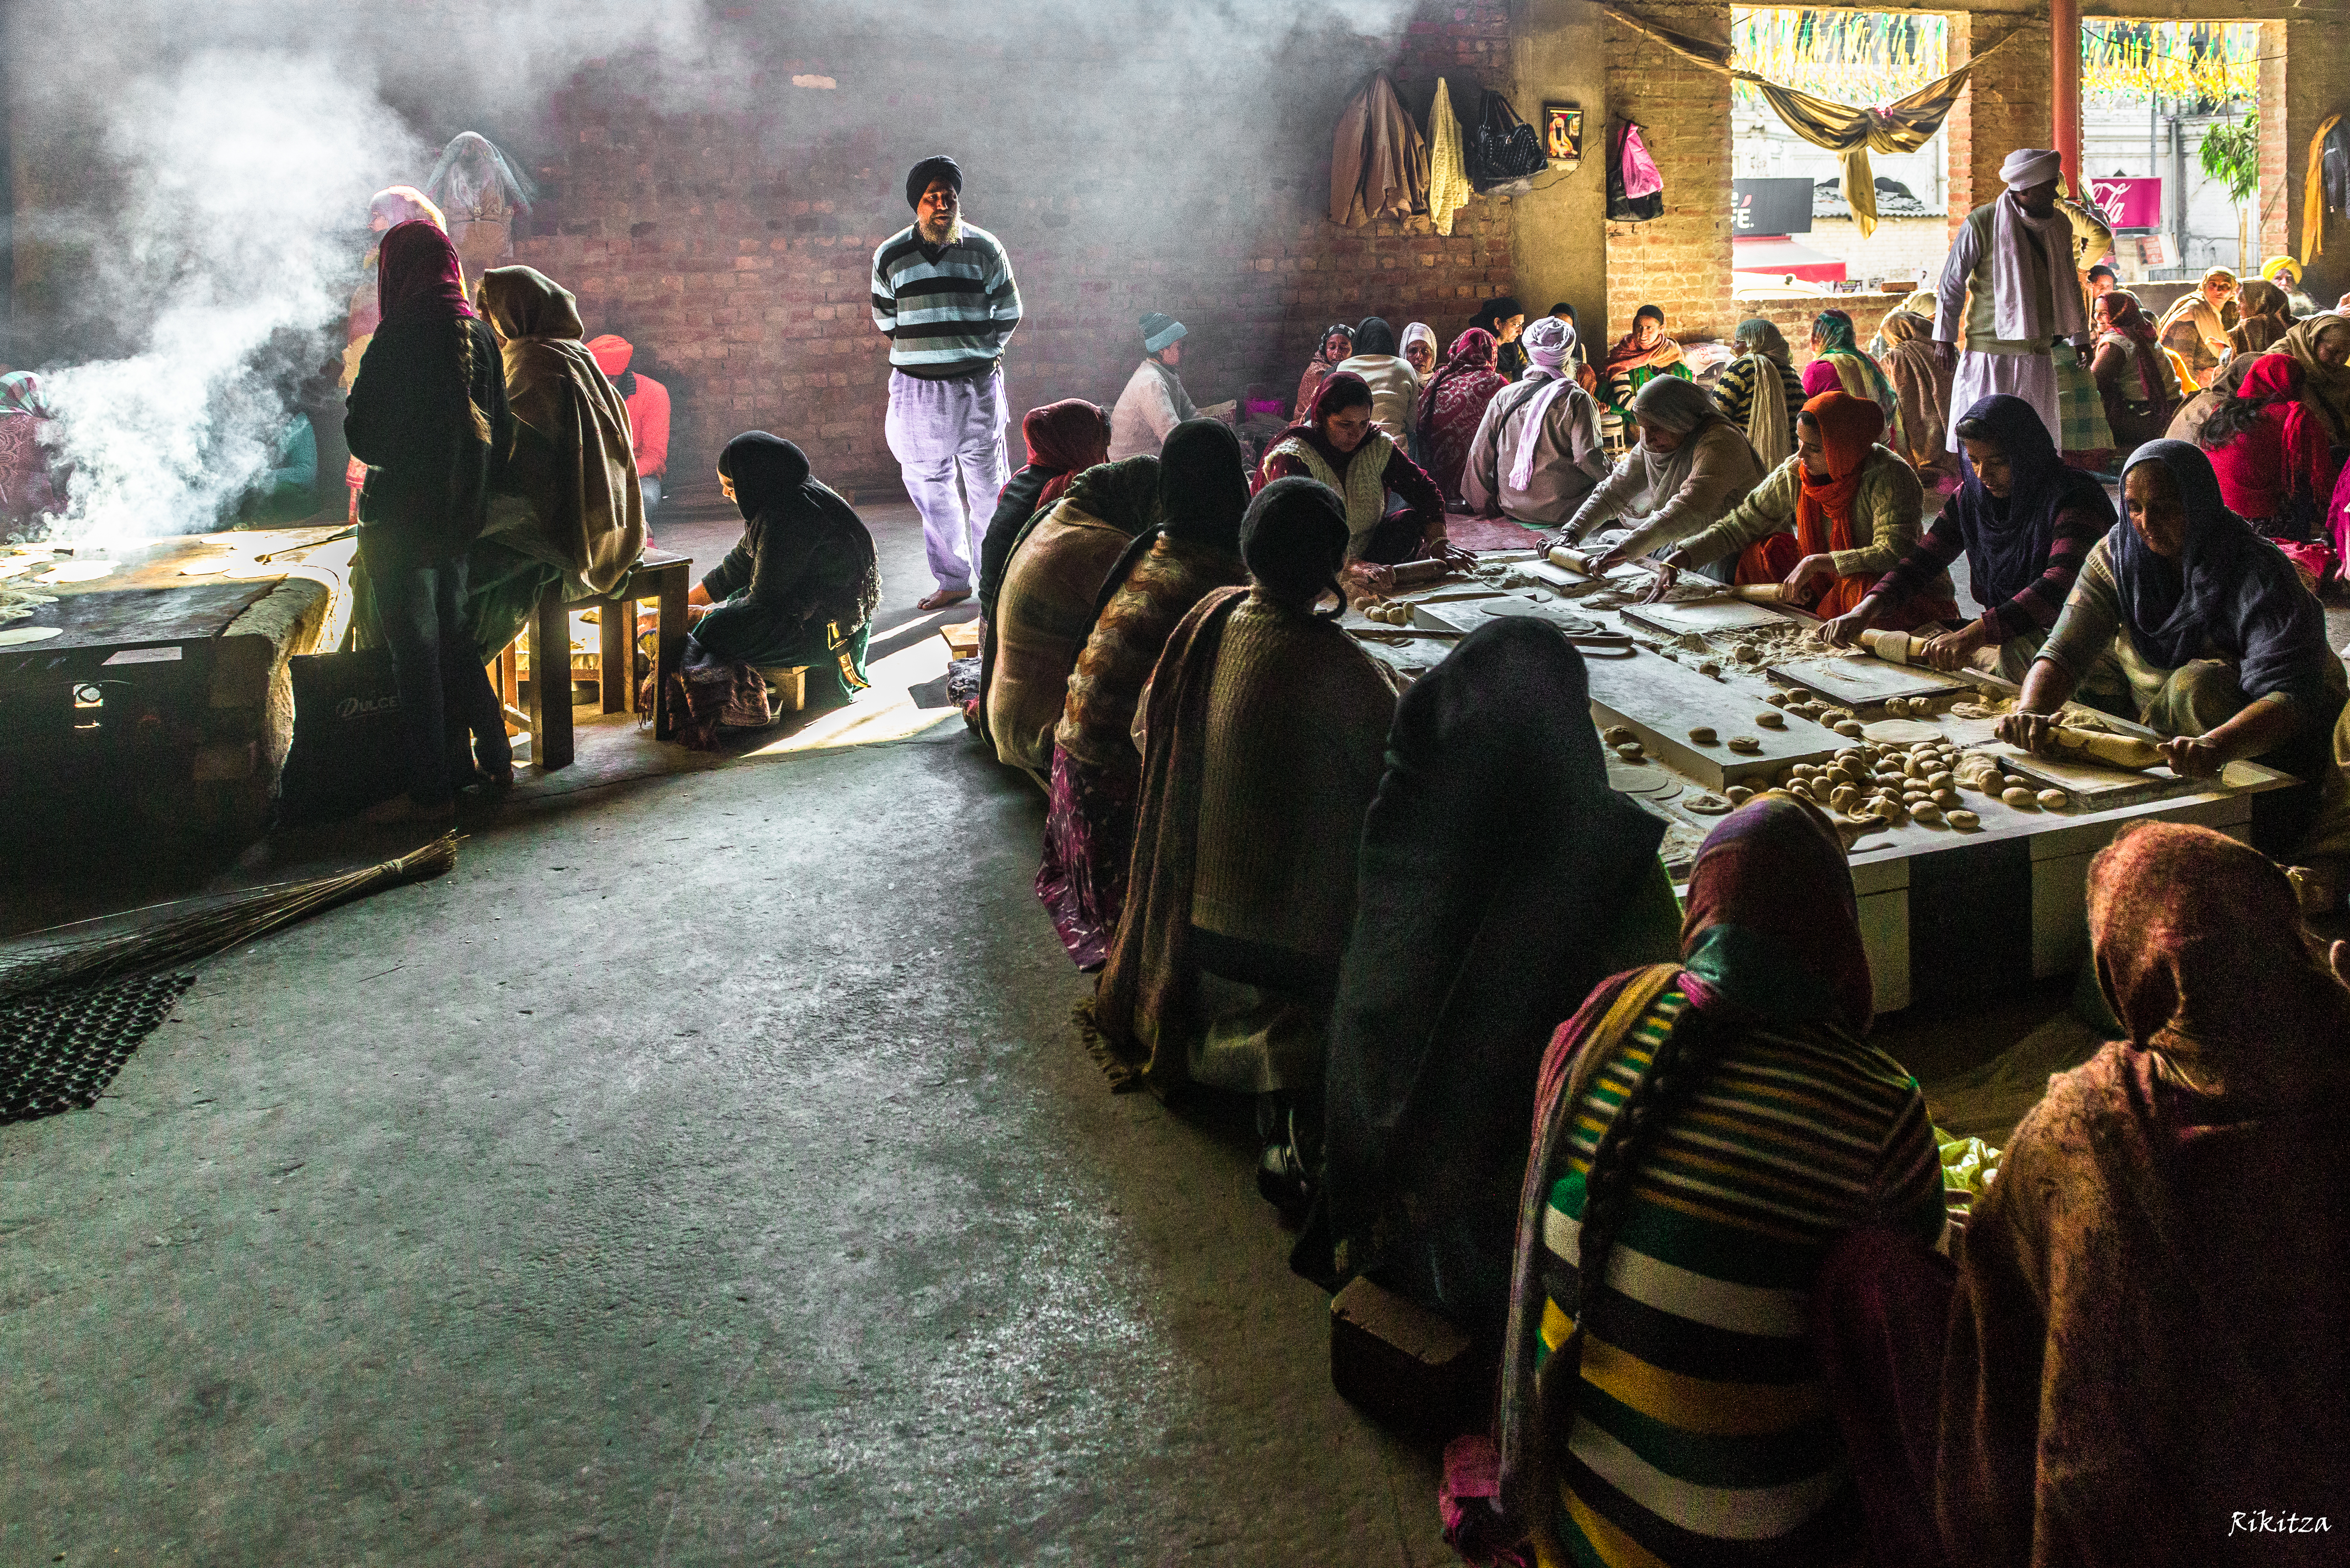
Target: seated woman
x,y
1266,735
1395,386
2195,328
1472,939
1537,452
1760,391
2223,650
801,585
1828,522
1419,350
1691,466
1921,383
2165,1236
2320,346
1505,318
1838,364
1065,439
1639,356
1336,445
1676,1213
567,505
2133,375
2265,319
2025,519
1337,348
1195,548
1453,406
2275,466
1051,585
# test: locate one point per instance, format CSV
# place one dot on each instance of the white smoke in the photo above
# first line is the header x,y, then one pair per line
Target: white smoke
x,y
245,177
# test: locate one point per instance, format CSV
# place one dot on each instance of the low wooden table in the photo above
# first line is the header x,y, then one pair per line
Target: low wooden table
x,y
659,576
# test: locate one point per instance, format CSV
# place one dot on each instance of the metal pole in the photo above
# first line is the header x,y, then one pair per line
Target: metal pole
x,y
2064,30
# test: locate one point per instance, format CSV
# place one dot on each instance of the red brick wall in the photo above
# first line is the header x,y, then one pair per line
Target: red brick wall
x,y
735,249
2008,103
1680,261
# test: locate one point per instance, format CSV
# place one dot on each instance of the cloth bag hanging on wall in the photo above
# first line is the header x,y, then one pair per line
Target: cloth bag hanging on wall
x,y
1636,190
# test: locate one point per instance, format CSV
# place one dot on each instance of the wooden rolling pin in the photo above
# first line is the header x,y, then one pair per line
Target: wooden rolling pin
x,y
1894,646
1761,592
2117,751
1573,560
1410,573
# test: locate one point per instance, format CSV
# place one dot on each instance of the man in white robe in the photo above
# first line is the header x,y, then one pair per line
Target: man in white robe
x,y
2010,290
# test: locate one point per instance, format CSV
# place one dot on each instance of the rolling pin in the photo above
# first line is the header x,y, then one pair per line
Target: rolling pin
x,y
2117,751
1894,646
1573,560
1761,592
1410,574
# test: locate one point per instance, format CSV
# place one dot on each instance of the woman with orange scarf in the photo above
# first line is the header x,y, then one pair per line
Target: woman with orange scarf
x,y
1828,522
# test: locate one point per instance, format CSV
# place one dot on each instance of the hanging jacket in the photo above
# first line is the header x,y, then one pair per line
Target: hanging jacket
x,y
1636,190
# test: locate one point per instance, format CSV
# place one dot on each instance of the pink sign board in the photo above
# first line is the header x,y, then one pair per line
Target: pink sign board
x,y
2129,201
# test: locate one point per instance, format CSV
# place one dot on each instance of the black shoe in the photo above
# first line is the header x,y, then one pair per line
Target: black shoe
x,y
1283,1178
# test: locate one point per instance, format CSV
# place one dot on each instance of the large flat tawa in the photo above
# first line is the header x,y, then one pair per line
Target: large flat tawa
x,y
1863,682
1662,702
1704,617
98,617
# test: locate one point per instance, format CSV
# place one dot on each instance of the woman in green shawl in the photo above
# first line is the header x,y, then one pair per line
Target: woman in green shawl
x,y
1838,366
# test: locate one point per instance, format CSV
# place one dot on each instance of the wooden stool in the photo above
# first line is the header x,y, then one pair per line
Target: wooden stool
x,y
659,576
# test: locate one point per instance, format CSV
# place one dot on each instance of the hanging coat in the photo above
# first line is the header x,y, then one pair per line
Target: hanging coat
x,y
1636,190
1378,160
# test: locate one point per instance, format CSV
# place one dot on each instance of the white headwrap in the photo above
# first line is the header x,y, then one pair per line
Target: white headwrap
x,y
1547,343
2016,236
1419,332
2028,166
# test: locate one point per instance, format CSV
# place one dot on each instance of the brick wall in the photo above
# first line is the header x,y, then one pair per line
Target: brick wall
x,y
735,249
1679,262
2304,77
1794,318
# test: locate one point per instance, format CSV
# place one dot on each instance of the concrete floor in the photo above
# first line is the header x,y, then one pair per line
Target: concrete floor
x,y
706,1170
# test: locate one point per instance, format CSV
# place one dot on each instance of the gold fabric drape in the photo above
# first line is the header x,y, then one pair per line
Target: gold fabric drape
x,y
1902,126
2313,195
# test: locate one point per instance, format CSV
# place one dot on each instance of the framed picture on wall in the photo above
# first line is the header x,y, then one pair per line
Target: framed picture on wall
x,y
1563,134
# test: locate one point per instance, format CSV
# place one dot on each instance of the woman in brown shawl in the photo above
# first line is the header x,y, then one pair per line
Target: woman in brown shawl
x,y
2147,1363
1266,734
2265,317
569,499
1337,348
1922,382
1195,548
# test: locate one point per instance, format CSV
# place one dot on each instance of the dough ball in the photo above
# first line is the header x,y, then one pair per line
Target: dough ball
x,y
1703,735
1940,780
1948,799
1709,666
1772,718
1780,700
1844,798
2019,797
2055,799
1847,727
1630,753
1739,795
1929,814
1618,735
1965,821
1745,744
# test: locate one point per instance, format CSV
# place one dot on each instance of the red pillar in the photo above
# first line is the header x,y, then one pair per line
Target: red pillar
x,y
2064,35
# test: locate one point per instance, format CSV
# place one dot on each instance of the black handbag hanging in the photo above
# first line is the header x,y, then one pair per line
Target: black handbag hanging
x,y
1505,147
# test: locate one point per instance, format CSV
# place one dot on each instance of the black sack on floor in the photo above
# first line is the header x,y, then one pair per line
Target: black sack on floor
x,y
350,748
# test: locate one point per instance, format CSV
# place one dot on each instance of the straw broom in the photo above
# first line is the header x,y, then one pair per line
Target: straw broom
x,y
53,958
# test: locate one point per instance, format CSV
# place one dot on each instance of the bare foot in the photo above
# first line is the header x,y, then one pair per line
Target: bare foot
x,y
938,598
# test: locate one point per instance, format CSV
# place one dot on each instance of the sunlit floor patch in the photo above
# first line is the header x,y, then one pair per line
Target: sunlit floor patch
x,y
885,712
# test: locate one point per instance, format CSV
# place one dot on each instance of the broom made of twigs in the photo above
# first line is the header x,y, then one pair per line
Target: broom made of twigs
x,y
53,956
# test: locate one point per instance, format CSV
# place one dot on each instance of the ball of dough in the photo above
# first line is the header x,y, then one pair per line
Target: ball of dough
x,y
1772,718
1745,744
2055,799
1948,799
1847,727
2019,797
1929,814
1965,821
1844,798
1709,666
1619,734
1703,735
1939,779
1739,795
1630,753
1780,700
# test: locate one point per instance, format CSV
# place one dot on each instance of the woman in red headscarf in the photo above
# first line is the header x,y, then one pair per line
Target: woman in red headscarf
x,y
1065,439
428,415
2133,374
2273,454
1828,522
1454,405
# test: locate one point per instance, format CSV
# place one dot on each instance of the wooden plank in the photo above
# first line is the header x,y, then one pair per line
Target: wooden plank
x,y
2093,786
1704,617
551,740
1662,702
1863,682
93,616
616,669
669,639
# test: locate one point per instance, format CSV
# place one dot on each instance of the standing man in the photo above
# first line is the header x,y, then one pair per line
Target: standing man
x,y
648,404
2011,289
944,295
1154,402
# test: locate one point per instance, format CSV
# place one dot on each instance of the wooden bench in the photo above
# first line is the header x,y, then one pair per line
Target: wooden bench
x,y
659,576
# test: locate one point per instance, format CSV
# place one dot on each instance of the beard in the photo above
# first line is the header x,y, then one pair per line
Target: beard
x,y
944,233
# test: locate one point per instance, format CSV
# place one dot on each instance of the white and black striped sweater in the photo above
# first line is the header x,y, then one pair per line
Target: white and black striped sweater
x,y
948,310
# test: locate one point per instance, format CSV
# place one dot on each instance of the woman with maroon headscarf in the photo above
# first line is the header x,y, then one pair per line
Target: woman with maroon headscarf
x,y
1454,405
2133,374
1065,439
1338,445
429,416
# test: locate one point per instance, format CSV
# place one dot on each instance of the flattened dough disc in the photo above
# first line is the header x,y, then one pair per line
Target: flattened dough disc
x,y
1900,732
76,572
15,636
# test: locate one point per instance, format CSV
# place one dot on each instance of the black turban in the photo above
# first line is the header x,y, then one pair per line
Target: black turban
x,y
937,167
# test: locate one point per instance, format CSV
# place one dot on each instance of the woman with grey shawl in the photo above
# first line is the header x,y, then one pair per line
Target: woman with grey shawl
x,y
1690,467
